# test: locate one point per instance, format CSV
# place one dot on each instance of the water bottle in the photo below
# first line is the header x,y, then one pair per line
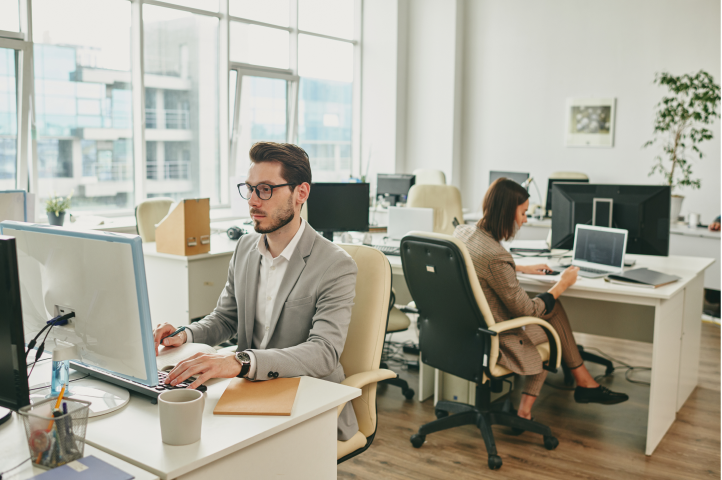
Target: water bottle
x,y
61,372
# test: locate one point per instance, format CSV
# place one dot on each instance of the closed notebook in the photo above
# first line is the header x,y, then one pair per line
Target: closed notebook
x,y
271,397
90,468
642,277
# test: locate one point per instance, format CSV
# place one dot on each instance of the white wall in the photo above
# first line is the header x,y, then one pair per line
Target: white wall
x,y
523,58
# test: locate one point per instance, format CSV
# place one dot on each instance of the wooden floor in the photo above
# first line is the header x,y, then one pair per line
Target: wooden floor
x,y
595,441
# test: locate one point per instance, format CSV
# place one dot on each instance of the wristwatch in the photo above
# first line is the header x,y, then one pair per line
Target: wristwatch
x,y
245,360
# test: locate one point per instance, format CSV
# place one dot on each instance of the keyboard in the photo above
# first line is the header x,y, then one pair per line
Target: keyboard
x,y
593,270
137,387
388,249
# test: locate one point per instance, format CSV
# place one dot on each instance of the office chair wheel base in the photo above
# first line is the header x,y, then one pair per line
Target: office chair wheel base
x,y
494,462
417,440
408,393
550,443
441,413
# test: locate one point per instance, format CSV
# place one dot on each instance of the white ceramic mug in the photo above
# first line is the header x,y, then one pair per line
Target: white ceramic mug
x,y
693,220
181,415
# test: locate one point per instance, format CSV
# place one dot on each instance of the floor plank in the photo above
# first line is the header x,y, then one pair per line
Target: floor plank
x,y
595,441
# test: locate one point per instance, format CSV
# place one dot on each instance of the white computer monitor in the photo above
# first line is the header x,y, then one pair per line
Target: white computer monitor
x,y
101,277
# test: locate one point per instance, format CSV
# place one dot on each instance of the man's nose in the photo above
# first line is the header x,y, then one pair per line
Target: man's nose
x,y
255,200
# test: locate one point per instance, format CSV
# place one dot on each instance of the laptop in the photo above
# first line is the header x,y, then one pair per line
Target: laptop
x,y
403,220
599,251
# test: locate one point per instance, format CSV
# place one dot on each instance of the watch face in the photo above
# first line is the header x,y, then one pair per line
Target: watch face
x,y
243,356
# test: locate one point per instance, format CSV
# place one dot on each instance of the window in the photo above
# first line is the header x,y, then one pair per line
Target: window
x,y
83,102
10,18
8,119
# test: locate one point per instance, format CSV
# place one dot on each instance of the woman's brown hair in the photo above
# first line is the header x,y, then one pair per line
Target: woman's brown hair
x,y
499,208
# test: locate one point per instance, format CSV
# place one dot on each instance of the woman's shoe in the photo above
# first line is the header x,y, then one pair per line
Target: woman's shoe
x,y
601,394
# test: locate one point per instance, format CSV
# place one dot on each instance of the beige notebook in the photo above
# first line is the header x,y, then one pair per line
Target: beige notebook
x,y
271,397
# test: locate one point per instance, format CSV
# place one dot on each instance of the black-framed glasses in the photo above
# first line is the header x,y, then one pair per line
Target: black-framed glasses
x,y
263,190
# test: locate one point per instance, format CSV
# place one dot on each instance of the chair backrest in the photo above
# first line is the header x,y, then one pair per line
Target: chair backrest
x,y
429,176
148,213
366,332
569,176
444,199
452,307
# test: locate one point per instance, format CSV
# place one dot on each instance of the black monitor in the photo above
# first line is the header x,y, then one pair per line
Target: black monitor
x,y
550,188
339,207
642,210
518,177
394,186
14,392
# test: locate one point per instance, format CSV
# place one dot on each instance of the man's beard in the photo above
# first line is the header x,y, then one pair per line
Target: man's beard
x,y
279,219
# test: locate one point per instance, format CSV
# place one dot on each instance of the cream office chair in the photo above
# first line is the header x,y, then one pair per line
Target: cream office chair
x,y
569,176
398,322
444,199
429,176
459,336
148,213
362,353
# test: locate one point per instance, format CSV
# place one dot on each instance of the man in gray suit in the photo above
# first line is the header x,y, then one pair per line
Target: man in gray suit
x,y
289,291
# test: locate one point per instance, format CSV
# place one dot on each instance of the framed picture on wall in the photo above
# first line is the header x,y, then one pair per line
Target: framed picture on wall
x,y
590,122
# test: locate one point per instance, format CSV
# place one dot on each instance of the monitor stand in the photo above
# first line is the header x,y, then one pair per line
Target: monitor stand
x,y
103,397
328,236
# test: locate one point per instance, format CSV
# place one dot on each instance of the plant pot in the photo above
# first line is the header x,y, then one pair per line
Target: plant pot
x,y
56,220
676,208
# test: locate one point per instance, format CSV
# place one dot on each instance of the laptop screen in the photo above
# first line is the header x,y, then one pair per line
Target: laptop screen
x,y
598,246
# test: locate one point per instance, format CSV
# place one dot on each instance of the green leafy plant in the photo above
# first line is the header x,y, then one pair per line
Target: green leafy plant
x,y
57,204
680,125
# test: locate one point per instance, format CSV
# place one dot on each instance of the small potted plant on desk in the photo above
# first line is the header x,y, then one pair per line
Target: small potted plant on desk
x,y
56,207
680,127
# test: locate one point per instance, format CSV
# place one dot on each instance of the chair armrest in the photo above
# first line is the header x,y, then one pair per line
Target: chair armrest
x,y
555,351
360,380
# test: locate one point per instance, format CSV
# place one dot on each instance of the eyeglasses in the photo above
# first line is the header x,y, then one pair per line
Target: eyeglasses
x,y
263,190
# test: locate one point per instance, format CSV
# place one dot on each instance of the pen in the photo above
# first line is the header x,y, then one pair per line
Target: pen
x,y
173,334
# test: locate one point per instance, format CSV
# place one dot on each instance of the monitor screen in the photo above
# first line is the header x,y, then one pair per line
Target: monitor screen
x,y
14,392
599,246
550,188
518,177
394,183
339,207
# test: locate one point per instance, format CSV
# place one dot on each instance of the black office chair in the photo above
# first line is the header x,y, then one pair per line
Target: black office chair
x,y
458,335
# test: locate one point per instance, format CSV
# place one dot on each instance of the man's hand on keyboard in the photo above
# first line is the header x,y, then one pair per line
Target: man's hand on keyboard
x,y
206,366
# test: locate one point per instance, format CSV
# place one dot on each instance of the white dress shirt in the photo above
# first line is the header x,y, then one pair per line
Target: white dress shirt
x,y
272,271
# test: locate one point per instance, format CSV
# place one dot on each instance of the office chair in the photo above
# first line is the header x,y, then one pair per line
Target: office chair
x,y
148,213
569,176
398,322
429,176
361,355
444,199
459,336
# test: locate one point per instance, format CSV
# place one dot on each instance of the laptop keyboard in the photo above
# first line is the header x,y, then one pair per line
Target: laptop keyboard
x,y
388,249
592,270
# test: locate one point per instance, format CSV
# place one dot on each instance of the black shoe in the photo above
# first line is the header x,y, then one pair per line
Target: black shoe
x,y
600,394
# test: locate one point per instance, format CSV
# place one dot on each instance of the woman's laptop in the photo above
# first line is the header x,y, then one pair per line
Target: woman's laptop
x,y
599,251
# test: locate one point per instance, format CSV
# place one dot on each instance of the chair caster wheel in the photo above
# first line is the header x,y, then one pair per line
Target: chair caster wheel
x,y
550,443
408,393
441,413
494,462
417,440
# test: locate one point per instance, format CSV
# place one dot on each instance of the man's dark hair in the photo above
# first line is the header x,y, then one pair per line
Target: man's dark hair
x,y
295,166
499,208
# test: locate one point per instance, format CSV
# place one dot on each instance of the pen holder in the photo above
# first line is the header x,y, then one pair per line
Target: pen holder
x,y
55,440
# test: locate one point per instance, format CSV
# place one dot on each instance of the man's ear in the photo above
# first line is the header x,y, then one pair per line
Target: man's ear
x,y
302,192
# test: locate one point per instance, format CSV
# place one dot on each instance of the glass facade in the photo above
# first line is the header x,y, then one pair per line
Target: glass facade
x,y
8,120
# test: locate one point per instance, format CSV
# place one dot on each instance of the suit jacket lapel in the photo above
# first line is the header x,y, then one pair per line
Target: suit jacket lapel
x,y
293,272
250,289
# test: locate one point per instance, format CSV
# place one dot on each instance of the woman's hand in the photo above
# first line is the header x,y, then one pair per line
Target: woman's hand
x,y
540,269
566,280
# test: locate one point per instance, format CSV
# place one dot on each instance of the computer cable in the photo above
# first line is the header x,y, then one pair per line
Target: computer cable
x,y
59,320
13,468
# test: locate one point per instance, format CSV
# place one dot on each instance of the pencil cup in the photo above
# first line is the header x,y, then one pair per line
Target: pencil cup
x,y
55,437
181,415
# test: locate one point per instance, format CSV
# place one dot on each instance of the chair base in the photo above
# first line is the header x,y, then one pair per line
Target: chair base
x,y
453,414
399,382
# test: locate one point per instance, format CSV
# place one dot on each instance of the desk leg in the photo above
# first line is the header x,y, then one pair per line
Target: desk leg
x,y
691,337
668,316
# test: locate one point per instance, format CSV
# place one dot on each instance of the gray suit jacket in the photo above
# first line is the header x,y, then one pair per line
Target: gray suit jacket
x,y
310,318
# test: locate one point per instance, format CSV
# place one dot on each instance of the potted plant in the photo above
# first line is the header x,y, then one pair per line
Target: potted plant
x,y
680,127
56,207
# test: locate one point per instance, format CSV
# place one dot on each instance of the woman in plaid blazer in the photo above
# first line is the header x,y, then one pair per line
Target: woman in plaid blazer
x,y
504,212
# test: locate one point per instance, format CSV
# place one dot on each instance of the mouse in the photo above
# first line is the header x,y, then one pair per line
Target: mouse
x,y
551,272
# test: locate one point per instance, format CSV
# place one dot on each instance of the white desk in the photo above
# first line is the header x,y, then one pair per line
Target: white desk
x,y
299,446
700,242
14,448
676,312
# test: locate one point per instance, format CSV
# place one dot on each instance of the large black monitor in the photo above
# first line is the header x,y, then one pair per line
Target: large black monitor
x,y
339,207
518,177
394,186
643,210
550,188
14,392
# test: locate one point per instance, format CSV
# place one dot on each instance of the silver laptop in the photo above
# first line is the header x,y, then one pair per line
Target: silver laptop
x,y
403,220
599,251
